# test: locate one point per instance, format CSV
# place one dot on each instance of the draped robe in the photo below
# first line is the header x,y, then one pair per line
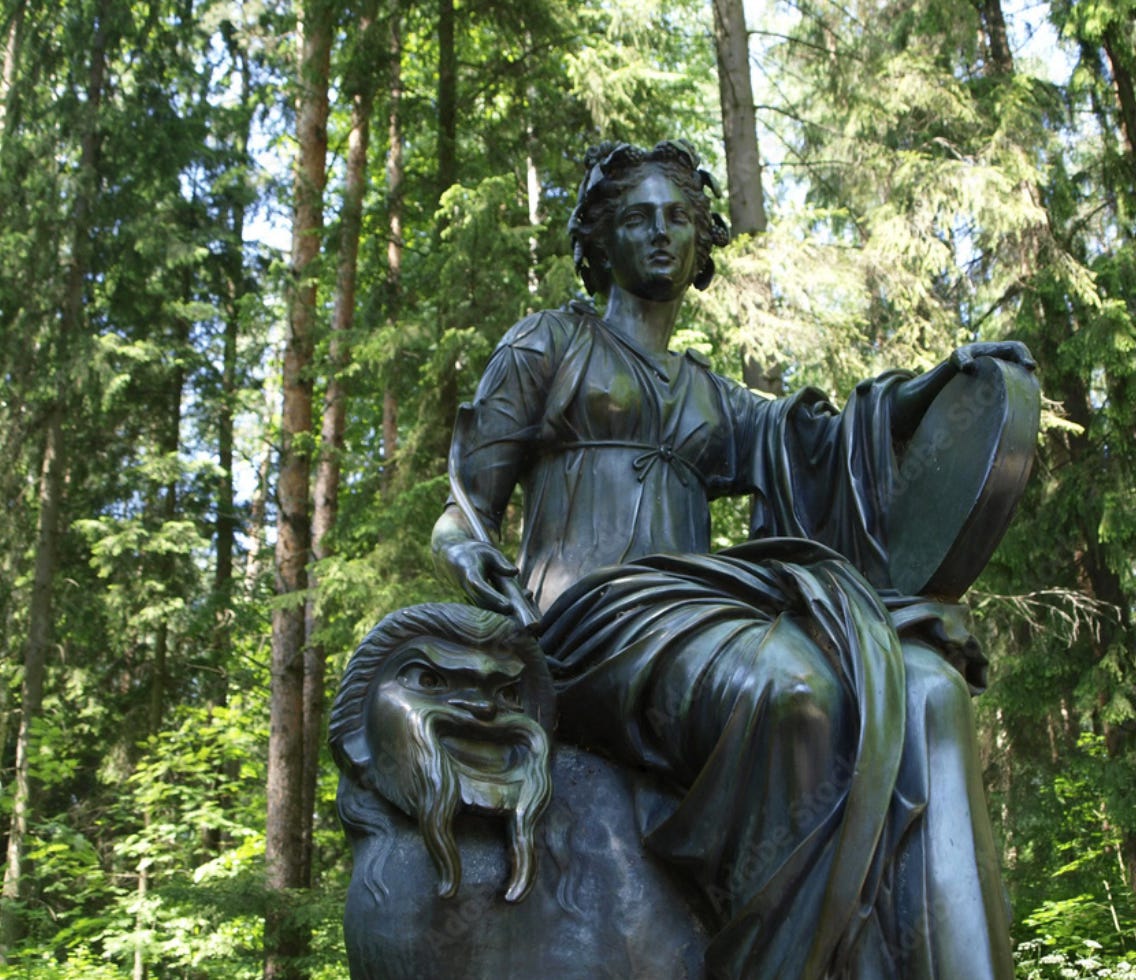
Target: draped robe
x,y
815,726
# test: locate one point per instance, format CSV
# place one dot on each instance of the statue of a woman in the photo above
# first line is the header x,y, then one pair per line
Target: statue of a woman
x,y
816,727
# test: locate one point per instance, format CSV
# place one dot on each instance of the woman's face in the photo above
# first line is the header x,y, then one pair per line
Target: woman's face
x,y
651,245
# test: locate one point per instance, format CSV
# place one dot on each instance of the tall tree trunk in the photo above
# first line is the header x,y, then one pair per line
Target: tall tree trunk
x,y
258,517
1121,60
1001,56
394,240
285,938
227,520
225,529
743,161
447,98
169,442
739,124
50,524
447,391
236,289
8,67
48,532
326,495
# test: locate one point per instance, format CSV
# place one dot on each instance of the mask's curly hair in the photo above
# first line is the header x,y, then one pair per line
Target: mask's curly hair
x,y
612,168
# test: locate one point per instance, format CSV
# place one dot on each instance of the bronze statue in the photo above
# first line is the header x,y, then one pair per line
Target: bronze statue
x,y
812,724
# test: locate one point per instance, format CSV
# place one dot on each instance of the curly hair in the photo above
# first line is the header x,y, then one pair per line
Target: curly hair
x,y
612,168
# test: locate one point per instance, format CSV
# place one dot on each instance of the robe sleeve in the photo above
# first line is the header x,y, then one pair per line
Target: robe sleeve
x,y
826,475
499,440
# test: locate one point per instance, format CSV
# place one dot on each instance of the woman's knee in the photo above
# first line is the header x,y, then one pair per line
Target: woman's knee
x,y
934,688
810,702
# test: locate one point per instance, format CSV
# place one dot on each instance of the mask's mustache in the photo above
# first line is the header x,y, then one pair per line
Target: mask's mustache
x,y
434,791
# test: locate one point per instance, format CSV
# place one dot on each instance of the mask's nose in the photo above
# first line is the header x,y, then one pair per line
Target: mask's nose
x,y
482,708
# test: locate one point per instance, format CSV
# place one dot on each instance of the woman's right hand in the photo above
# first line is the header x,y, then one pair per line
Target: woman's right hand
x,y
478,568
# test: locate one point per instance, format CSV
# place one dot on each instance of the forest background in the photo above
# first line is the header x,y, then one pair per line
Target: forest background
x,y
224,457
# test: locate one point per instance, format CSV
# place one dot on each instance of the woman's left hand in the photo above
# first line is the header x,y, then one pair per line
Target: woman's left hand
x,y
1014,351
913,397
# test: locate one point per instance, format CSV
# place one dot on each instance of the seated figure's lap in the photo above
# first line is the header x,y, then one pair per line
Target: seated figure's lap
x,y
754,682
752,718
722,683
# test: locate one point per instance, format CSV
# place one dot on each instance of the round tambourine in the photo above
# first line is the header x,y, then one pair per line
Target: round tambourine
x,y
960,476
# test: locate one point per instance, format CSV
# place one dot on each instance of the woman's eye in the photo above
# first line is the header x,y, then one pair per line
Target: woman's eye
x,y
680,217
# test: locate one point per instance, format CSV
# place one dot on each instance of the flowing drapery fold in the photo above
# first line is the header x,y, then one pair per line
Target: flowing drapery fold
x,y
815,728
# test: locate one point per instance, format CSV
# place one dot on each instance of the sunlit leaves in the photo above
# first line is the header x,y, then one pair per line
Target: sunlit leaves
x,y
639,56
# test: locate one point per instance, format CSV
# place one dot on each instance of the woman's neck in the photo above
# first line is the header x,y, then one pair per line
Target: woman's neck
x,y
649,323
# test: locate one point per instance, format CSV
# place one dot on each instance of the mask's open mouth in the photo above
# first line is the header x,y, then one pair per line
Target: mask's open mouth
x,y
489,750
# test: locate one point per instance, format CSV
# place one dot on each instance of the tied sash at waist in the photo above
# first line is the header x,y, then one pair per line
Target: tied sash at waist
x,y
647,456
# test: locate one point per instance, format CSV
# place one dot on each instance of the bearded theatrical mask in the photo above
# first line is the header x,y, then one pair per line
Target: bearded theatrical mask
x,y
447,724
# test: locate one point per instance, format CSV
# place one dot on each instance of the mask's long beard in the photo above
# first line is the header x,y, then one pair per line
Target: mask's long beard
x,y
426,783
534,795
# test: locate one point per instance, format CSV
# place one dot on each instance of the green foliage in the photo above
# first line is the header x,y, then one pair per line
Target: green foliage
x,y
189,815
642,56
921,195
1042,960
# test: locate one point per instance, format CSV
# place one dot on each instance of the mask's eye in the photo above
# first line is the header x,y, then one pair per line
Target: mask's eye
x,y
418,677
510,696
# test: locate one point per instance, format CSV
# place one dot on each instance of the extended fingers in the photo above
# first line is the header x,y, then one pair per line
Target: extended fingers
x,y
964,358
486,595
1021,355
497,562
